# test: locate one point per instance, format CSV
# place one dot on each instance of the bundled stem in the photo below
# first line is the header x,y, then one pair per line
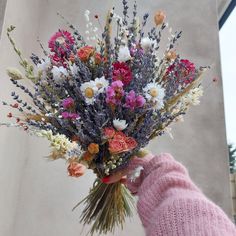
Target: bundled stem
x,y
107,206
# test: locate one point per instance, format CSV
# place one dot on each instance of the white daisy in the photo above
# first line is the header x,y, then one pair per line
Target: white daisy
x,y
89,90
101,84
146,43
59,73
120,124
155,93
124,54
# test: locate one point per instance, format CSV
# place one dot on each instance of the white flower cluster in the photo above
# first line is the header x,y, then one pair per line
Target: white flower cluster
x,y
59,141
91,29
192,98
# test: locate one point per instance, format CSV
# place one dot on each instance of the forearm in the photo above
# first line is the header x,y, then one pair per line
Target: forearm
x,y
171,204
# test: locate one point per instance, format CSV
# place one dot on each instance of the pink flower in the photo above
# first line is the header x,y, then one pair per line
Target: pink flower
x,y
109,132
132,101
122,72
115,93
61,41
68,103
117,146
76,169
121,143
184,70
69,116
140,101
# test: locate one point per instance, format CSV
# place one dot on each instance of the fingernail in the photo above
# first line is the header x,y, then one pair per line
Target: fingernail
x,y
105,179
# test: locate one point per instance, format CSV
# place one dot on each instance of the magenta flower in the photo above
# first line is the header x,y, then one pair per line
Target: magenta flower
x,y
68,103
122,72
132,101
183,70
69,116
61,41
114,93
140,101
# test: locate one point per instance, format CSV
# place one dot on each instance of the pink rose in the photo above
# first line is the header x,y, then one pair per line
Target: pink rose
x,y
76,169
131,143
109,132
117,146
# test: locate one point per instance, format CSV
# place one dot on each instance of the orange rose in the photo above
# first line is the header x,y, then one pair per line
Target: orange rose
x,y
117,146
85,53
76,169
109,132
93,148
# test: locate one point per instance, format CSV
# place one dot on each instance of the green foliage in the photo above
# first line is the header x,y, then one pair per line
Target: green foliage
x,y
232,158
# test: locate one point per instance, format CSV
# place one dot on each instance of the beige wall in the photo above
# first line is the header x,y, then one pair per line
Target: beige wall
x,y
36,196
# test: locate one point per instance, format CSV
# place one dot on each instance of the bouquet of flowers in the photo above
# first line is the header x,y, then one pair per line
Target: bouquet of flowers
x,y
100,99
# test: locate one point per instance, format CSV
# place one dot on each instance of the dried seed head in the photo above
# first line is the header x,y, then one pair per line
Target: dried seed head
x,y
159,17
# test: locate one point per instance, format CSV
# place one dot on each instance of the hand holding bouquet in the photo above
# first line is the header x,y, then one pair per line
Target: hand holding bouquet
x,y
100,99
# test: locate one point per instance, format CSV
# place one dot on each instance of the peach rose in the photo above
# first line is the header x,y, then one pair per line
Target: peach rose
x,y
131,143
93,148
117,146
120,135
76,169
85,53
109,132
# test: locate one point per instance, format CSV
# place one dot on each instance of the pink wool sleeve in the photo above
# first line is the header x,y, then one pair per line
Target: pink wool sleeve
x,y
170,204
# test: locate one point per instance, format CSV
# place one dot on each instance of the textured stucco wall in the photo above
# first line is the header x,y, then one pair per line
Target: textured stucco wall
x,y
36,196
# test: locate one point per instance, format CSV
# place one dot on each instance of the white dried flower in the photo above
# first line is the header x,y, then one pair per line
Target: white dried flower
x,y
120,124
89,90
155,93
44,65
192,98
101,84
59,73
124,54
135,174
146,43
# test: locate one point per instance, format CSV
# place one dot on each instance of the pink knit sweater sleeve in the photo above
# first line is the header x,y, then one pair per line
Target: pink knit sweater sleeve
x,y
171,204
